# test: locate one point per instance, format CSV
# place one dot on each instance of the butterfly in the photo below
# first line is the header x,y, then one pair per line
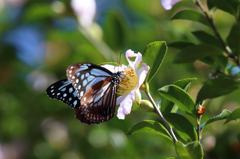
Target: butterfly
x,y
90,89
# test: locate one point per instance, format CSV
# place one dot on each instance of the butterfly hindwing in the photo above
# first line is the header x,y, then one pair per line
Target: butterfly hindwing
x,y
99,102
64,91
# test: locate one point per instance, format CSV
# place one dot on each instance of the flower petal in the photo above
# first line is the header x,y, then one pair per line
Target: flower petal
x,y
125,105
167,4
142,73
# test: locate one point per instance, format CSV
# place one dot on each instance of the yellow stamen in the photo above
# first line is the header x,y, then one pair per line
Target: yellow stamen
x,y
127,82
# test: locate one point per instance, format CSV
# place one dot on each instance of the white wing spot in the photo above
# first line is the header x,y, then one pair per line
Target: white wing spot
x,y
52,87
70,99
79,86
84,82
52,90
77,80
84,98
82,77
70,90
81,94
58,94
65,94
78,74
71,67
75,103
73,77
53,94
70,71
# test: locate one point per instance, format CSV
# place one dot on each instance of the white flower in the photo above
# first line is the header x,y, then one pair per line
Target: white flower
x,y
134,76
167,4
85,11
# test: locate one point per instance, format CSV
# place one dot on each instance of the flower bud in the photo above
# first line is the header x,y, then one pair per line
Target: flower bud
x,y
138,96
147,106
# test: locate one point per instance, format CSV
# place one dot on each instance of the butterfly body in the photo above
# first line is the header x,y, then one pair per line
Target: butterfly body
x,y
90,89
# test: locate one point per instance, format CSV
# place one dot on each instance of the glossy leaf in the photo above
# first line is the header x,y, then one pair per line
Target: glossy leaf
x,y
181,98
218,61
198,52
192,150
217,87
234,115
191,15
233,39
166,105
153,56
149,126
180,45
229,6
206,38
180,124
223,115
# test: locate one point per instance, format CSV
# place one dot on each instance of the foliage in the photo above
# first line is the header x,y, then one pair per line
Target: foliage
x,y
39,40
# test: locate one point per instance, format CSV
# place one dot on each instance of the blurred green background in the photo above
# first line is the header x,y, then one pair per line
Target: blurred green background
x,y
40,39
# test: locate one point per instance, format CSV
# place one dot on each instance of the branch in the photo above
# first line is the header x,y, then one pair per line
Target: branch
x,y
210,20
161,116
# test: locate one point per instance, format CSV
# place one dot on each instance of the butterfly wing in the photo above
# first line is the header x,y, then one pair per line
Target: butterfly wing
x,y
64,91
98,103
84,75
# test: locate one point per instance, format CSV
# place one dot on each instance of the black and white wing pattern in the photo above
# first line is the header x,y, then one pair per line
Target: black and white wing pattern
x,y
96,88
90,89
64,91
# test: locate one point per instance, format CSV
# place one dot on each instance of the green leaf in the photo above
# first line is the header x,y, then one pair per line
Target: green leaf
x,y
191,15
218,61
233,116
233,39
171,158
180,45
114,31
192,150
223,115
166,105
184,128
229,6
198,52
153,56
180,97
217,87
149,126
206,38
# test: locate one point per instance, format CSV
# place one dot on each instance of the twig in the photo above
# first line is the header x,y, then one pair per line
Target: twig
x,y
210,20
198,127
161,116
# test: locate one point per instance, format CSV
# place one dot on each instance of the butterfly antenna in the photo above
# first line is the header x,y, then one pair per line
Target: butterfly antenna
x,y
119,60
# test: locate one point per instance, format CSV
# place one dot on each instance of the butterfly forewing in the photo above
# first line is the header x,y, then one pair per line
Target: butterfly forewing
x,y
99,102
64,91
84,75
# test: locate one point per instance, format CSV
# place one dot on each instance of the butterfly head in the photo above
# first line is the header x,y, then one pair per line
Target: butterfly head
x,y
128,81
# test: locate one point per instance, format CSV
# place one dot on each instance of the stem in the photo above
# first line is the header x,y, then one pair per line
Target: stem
x,y
198,127
161,116
210,20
